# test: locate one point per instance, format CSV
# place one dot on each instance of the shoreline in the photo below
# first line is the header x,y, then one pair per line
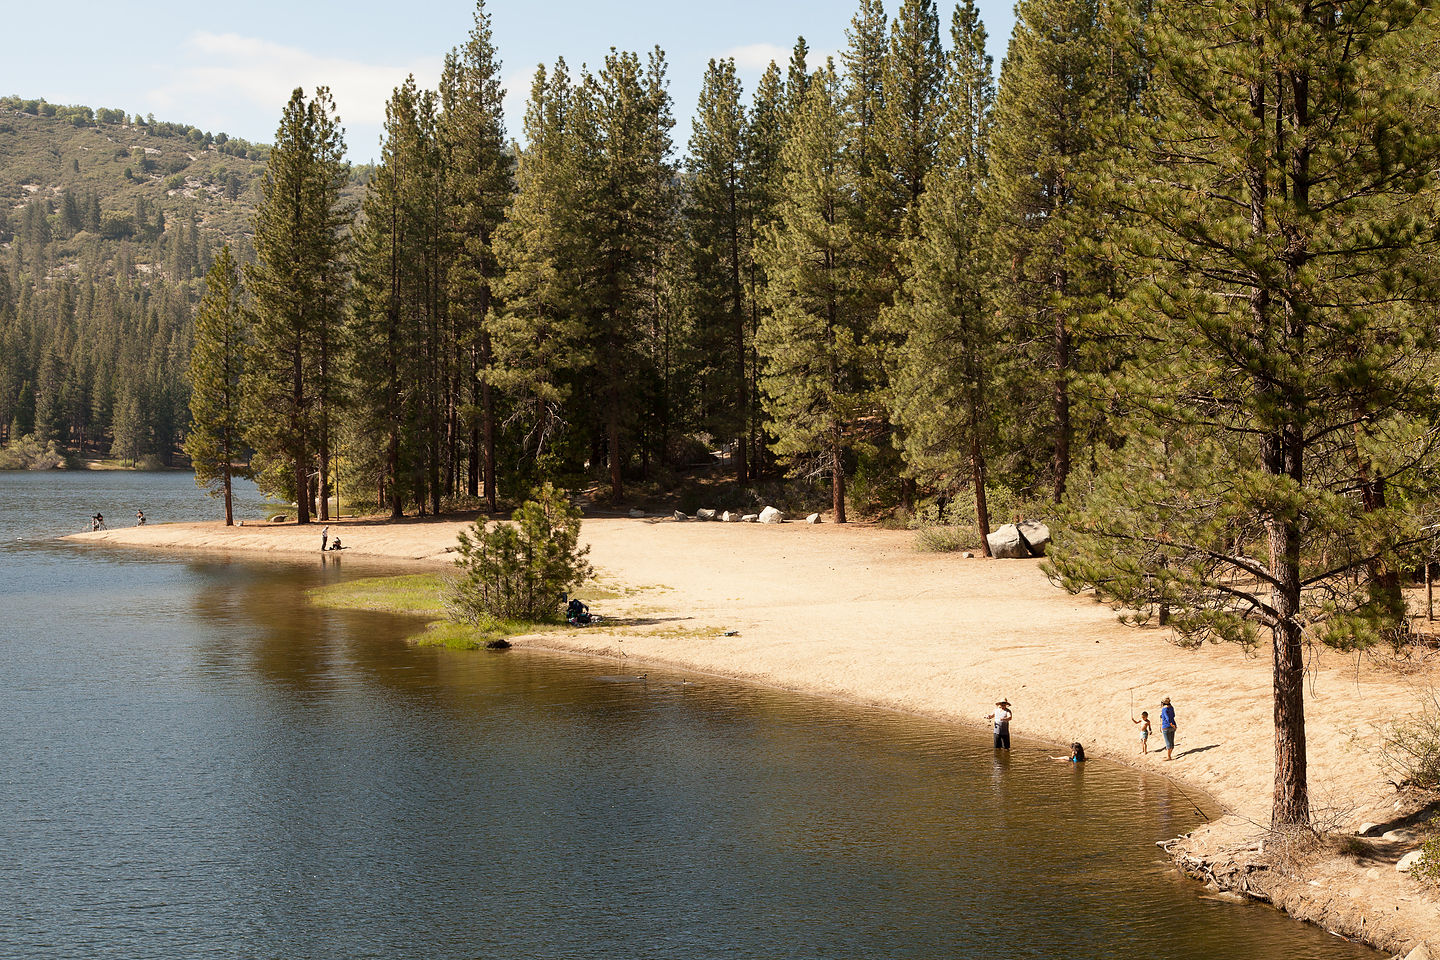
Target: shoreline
x,y
856,614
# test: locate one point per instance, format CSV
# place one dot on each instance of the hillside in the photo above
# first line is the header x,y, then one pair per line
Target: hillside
x,y
108,224
125,164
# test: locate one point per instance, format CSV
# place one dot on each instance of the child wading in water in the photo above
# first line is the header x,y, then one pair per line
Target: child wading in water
x,y
1144,722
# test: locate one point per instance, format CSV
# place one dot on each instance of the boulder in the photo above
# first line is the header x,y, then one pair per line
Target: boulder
x,y
771,515
750,518
728,517
1036,534
1422,952
1407,862
636,513
1007,543
813,518
680,516
704,513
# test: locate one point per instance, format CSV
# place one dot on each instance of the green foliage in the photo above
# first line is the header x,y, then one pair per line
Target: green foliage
x,y
813,336
28,453
297,286
521,570
217,367
1410,746
1427,865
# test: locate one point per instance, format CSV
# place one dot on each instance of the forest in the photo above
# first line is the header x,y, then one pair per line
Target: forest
x,y
1170,280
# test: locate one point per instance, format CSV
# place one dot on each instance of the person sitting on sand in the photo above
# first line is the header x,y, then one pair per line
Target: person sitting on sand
x,y
1077,754
1001,715
1144,722
577,613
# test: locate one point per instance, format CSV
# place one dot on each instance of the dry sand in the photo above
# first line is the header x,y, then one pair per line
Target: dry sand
x,y
856,613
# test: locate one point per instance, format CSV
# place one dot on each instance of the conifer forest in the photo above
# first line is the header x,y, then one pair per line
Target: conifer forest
x,y
1168,278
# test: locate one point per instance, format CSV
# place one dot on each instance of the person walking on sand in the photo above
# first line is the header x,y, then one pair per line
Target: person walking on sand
x,y
1001,715
324,538
1144,722
1167,727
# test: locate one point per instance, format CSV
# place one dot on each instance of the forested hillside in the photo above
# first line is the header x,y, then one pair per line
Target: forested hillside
x,y
108,222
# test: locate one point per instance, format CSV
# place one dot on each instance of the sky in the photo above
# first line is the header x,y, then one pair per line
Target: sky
x,y
231,67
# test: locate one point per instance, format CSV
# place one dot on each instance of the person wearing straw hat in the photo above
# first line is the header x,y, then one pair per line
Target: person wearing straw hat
x,y
1001,715
1167,727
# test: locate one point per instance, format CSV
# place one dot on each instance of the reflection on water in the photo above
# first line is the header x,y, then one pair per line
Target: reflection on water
x,y
196,763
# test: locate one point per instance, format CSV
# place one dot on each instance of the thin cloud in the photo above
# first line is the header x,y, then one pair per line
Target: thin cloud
x,y
757,56
250,71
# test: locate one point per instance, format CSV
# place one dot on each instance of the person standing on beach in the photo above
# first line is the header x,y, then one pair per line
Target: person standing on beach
x,y
324,538
1001,715
1144,722
1167,727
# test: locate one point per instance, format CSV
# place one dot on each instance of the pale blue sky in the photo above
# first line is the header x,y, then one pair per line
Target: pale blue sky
x,y
232,67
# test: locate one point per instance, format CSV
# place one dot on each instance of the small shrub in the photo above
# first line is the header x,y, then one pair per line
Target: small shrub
x,y
941,539
1410,747
1427,865
520,570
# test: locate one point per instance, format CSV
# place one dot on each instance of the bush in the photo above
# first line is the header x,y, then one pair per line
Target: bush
x,y
1410,747
521,570
27,453
1427,865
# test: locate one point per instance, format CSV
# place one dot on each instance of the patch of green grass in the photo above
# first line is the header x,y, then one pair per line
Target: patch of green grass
x,y
420,594
487,633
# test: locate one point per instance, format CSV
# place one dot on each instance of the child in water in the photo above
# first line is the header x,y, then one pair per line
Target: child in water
x,y
1077,754
1144,722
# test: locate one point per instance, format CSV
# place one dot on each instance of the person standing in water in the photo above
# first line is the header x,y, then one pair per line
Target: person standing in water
x,y
1001,715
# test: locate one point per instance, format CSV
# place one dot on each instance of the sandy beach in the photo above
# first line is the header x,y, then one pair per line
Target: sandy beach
x,y
857,613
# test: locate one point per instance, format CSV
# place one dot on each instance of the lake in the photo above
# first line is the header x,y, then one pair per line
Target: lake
x,y
195,762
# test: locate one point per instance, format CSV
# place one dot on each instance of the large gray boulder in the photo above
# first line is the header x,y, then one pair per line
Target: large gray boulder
x,y
728,517
1036,534
1007,543
704,513
680,516
813,518
771,515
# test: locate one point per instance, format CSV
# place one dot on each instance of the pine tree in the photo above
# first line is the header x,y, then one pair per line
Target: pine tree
x,y
479,184
763,187
1276,166
1047,165
541,342
395,324
720,255
298,287
621,131
810,342
216,367
939,385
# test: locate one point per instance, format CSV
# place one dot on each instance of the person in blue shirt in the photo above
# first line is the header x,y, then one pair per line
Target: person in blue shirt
x,y
1077,754
1167,727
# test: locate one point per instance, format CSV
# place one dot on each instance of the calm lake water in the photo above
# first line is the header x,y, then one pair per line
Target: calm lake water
x,y
194,763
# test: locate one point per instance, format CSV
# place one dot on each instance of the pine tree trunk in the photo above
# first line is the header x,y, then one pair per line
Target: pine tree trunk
x,y
977,478
837,481
487,408
229,506
1061,461
1291,805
